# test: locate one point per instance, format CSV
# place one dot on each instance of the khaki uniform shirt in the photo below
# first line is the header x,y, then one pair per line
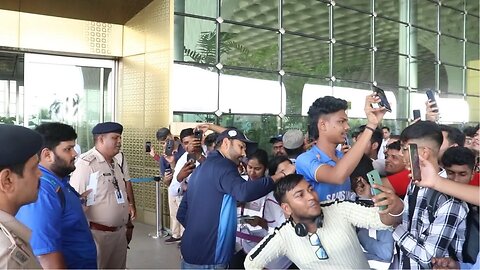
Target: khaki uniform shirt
x,y
107,209
15,250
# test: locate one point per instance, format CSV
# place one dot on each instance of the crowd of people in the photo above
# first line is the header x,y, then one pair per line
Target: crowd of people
x,y
325,198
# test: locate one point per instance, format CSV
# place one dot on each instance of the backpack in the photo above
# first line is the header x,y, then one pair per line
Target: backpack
x,y
471,245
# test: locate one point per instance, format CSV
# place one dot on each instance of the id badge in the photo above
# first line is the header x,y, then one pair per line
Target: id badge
x,y
119,197
18,255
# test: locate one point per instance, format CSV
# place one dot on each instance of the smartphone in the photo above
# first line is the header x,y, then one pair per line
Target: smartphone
x,y
431,98
169,147
191,158
148,147
374,178
414,162
198,134
346,141
383,98
416,114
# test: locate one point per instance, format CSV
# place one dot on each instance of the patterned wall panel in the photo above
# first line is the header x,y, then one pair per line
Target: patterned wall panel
x,y
143,100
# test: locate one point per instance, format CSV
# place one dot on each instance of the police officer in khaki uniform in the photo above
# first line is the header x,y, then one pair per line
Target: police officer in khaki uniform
x,y
107,206
19,182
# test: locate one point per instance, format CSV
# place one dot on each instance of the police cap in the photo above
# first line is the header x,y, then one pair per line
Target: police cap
x,y
18,144
107,127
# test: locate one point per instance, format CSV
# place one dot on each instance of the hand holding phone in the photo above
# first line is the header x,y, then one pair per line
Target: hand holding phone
x,y
414,162
383,98
169,144
416,114
148,147
431,98
374,178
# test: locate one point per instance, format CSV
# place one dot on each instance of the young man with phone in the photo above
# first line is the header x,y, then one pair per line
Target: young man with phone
x,y
419,238
325,167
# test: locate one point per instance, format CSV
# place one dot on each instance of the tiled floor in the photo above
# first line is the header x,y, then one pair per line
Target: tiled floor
x,y
146,252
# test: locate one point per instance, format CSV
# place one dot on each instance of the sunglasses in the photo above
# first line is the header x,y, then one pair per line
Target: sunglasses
x,y
321,252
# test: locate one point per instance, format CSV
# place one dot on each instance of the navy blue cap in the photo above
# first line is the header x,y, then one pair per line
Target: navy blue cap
x,y
107,127
278,138
235,134
18,144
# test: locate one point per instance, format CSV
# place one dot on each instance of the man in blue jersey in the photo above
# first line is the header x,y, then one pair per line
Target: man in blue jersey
x,y
325,167
61,237
208,210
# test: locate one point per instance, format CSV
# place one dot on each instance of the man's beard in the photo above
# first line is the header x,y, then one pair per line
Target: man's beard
x,y
60,167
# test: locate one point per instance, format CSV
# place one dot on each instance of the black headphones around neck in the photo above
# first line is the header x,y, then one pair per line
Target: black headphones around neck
x,y
301,229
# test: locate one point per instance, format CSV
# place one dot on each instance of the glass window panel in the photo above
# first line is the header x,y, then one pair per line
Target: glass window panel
x,y
248,47
472,29
301,92
472,83
295,122
451,22
207,8
453,81
351,63
426,45
387,35
307,16
391,69
472,7
425,76
264,13
194,117
457,4
474,109
197,40
351,26
305,55
472,57
250,92
451,50
423,13
390,9
360,5
259,128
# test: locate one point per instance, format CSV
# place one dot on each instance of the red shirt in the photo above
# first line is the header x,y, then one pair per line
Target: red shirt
x,y
400,182
475,180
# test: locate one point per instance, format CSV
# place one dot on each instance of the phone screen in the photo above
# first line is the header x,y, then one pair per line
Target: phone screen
x,y
374,178
148,147
383,98
416,114
414,162
431,98
169,147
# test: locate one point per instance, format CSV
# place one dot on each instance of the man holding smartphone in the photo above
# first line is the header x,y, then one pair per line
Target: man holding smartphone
x,y
420,239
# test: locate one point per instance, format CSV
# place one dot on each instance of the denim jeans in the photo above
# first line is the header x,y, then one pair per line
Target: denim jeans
x,y
186,265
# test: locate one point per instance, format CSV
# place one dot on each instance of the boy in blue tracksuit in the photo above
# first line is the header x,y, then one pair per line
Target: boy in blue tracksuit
x,y
208,210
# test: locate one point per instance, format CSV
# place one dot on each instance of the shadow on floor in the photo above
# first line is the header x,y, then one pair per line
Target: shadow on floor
x,y
146,252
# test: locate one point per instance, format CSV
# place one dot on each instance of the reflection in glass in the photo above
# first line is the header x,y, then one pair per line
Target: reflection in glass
x,y
472,7
360,5
472,57
387,35
389,9
312,60
264,13
351,63
312,20
351,26
451,22
207,8
426,74
387,69
451,50
199,41
426,45
241,46
453,82
472,28
423,13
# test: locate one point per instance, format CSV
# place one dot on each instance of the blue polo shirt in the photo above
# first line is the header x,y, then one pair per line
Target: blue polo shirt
x,y
57,228
208,210
307,165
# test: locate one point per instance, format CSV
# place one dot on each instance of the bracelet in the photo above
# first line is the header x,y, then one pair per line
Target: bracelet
x,y
370,128
397,215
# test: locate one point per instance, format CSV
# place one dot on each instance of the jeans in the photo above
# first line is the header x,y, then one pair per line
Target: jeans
x,y
186,265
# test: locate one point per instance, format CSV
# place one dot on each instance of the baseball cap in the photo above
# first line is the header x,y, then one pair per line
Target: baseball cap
x,y
235,134
277,138
293,139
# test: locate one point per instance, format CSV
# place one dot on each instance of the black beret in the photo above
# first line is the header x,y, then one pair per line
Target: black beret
x,y
18,144
107,127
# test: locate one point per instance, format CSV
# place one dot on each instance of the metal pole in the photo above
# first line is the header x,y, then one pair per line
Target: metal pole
x,y
158,210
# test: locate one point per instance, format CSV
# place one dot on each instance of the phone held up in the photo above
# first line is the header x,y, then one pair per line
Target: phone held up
x,y
414,162
198,134
416,114
431,98
148,147
169,147
383,99
374,178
